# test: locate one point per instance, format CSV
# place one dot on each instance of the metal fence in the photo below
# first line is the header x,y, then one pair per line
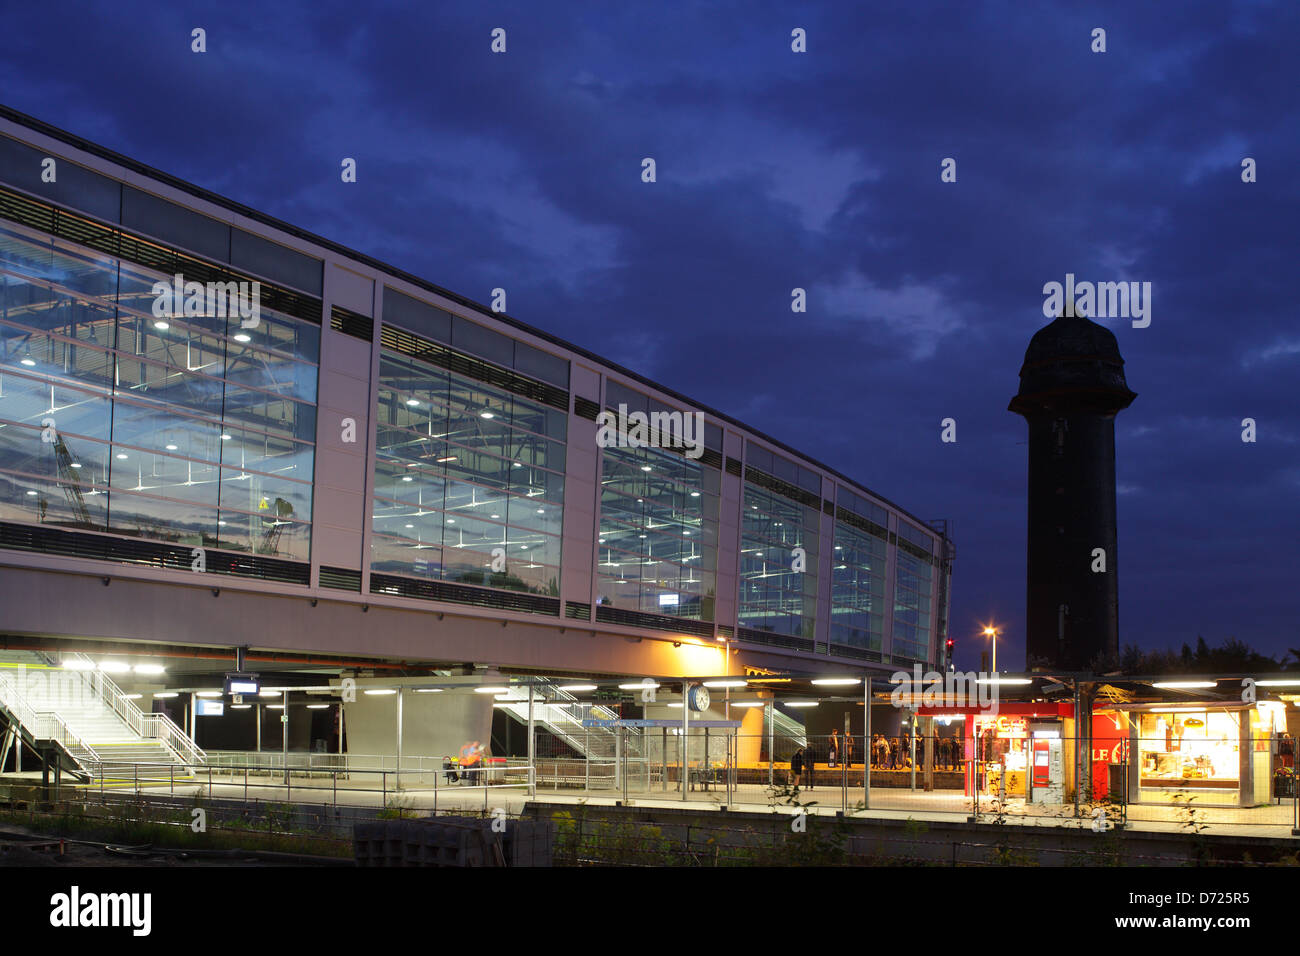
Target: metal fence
x,y
1201,784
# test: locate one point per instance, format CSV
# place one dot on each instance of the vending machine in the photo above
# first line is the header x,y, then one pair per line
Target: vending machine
x,y
1046,765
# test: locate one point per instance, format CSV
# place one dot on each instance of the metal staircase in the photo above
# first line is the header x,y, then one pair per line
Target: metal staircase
x,y
81,710
562,714
42,730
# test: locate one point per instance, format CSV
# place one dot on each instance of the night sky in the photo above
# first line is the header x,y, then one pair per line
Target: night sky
x,y
818,170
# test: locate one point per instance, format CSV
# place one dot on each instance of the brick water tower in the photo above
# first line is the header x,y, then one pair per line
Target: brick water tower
x,y
1071,387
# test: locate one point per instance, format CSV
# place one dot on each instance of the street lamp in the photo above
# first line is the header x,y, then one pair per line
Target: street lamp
x,y
991,632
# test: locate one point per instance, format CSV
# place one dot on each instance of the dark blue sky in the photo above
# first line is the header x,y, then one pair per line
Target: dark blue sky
x,y
818,170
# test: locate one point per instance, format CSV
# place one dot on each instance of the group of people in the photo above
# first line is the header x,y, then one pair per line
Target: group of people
x,y
887,753
895,753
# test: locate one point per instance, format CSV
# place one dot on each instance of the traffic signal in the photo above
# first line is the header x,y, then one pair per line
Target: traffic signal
x,y
949,652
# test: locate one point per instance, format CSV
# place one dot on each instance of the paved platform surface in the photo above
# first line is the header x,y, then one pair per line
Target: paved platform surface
x,y
418,794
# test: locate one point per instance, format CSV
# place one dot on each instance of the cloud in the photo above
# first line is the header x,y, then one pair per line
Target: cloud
x,y
919,314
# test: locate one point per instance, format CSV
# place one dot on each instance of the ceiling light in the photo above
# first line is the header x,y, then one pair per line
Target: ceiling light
x,y
412,402
275,706
577,688
149,668
170,447
268,693
428,690
32,494
486,415
646,683
243,337
317,706
443,461
76,464
225,436
240,706
121,456
165,694
725,683
836,681
491,690
132,696
28,361
695,494
800,703
1185,684
381,692
208,693
161,326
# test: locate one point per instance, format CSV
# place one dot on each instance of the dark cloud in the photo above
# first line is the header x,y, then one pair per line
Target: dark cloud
x,y
819,171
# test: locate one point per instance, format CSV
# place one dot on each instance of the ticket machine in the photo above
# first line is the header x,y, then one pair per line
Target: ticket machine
x,y
1046,765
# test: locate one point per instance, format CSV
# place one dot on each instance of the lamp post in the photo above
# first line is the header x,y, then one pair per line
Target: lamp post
x,y
991,632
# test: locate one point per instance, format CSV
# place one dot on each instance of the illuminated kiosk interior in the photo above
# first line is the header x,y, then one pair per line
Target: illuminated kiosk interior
x,y
1221,751
1030,743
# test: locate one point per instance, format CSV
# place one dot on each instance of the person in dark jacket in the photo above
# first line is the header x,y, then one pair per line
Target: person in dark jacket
x,y
796,768
809,761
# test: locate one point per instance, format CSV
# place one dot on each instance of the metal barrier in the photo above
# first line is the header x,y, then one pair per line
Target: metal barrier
x,y
722,768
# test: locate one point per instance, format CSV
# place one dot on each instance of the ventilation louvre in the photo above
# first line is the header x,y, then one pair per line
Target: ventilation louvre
x,y
116,242
782,488
751,636
340,579
577,611
155,554
861,523
734,467
352,323
657,622
586,408
453,361
464,594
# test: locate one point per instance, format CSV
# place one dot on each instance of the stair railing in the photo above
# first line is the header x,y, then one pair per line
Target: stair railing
x,y
153,726
43,725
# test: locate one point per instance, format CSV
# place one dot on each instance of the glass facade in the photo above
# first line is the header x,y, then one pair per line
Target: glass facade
x,y
773,595
912,592
469,480
195,431
182,428
858,590
658,542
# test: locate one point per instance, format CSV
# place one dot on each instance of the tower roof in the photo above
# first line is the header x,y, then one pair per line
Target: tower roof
x,y
1072,365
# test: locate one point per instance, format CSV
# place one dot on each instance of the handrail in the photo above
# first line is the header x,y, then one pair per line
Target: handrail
x,y
570,728
46,725
152,726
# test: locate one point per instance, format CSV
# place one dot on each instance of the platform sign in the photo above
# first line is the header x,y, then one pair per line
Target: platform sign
x,y
209,708
243,685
